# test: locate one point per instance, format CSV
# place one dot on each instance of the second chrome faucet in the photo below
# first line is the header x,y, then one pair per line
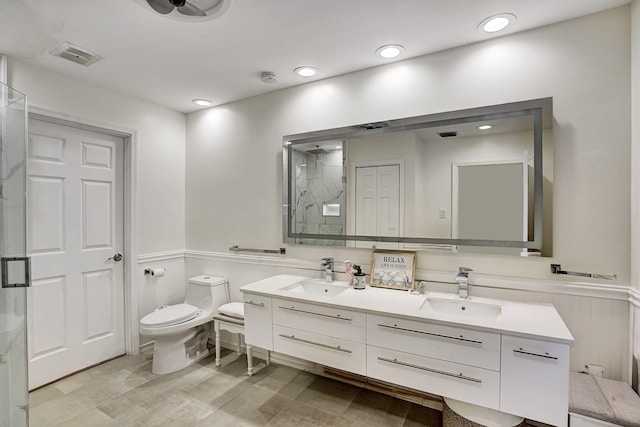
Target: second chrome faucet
x,y
462,279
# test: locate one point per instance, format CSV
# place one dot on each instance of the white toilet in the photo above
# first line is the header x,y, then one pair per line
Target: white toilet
x,y
181,331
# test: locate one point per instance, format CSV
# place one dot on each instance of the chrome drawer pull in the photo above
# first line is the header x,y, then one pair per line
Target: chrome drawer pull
x,y
293,337
545,355
435,371
315,314
254,303
460,338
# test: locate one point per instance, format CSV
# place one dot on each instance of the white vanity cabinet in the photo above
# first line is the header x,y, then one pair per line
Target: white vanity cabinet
x,y
450,361
325,335
258,321
516,363
535,379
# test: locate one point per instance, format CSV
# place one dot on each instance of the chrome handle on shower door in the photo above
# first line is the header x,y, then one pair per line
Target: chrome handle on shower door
x,y
4,266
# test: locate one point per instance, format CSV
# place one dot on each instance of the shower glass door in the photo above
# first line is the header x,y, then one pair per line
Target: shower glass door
x,y
14,266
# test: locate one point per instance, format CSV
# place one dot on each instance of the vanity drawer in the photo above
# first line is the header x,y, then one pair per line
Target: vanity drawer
x,y
337,353
535,379
258,317
467,383
335,322
460,345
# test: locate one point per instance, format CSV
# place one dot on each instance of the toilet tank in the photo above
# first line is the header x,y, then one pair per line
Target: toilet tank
x,y
206,292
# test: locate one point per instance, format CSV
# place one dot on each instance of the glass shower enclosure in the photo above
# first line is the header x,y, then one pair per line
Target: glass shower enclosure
x,y
14,265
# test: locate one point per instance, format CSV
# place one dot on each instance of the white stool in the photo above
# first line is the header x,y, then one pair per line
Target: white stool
x,y
230,317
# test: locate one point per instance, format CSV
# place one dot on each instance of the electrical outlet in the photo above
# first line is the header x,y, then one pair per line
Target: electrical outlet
x,y
595,370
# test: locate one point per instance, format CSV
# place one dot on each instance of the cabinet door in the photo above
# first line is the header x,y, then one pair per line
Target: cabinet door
x,y
258,321
319,319
467,383
534,381
329,351
451,343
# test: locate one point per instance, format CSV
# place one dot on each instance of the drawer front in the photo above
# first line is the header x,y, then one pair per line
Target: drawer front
x,y
470,384
335,322
466,346
258,318
535,379
337,353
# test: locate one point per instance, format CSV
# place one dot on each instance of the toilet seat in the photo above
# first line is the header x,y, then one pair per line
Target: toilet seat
x,y
170,315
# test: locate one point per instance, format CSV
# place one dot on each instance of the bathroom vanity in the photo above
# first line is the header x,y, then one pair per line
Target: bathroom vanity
x,y
504,355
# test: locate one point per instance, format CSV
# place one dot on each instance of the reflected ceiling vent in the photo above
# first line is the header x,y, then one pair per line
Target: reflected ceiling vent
x,y
75,54
374,125
449,134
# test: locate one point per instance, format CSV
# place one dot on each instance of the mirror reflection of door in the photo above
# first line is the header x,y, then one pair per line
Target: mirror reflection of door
x,y
490,203
377,204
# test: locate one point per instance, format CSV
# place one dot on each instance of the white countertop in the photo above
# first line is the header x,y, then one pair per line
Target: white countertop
x,y
522,319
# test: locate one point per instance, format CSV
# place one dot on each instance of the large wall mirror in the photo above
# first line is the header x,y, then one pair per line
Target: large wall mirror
x,y
462,181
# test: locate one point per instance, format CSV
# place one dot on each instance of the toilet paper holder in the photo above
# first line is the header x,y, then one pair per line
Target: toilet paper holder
x,y
153,272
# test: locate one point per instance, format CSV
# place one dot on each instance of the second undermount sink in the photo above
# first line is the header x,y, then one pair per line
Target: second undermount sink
x,y
318,288
462,307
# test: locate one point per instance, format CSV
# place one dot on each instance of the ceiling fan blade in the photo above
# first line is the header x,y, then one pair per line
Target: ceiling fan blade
x,y
161,6
191,10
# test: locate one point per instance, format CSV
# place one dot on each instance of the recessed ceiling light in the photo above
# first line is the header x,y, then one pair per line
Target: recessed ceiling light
x,y
389,51
203,102
485,127
339,146
306,71
496,23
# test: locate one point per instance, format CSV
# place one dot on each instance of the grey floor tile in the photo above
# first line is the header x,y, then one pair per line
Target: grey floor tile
x,y
92,418
377,409
255,406
43,395
299,414
57,411
421,416
175,409
108,386
298,384
329,395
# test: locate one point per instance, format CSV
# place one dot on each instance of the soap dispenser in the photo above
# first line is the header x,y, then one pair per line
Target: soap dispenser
x,y
360,282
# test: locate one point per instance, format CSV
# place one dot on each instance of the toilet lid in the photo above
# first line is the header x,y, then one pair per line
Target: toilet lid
x,y
170,314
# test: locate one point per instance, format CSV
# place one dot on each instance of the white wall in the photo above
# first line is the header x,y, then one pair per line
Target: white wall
x,y
584,64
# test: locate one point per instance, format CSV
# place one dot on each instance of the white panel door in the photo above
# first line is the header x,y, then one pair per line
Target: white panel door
x,y
74,228
377,204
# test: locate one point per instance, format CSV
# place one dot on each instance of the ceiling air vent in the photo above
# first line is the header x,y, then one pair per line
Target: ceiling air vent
x,y
374,125
448,134
75,54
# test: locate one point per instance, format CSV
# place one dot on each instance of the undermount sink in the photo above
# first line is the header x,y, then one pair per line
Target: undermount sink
x,y
317,288
462,307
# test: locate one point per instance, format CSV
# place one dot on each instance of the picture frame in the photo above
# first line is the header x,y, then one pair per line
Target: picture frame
x,y
393,269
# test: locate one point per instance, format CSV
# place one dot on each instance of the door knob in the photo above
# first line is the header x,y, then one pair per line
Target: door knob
x,y
116,258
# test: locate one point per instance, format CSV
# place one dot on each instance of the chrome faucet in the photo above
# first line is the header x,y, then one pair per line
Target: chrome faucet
x,y
327,264
462,278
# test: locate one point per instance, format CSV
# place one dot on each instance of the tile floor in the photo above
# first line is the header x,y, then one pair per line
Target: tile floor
x,y
124,392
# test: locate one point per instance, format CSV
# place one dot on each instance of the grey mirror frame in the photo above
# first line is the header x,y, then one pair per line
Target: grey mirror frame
x,y
539,109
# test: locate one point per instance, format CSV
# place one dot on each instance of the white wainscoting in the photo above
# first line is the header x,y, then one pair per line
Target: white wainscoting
x,y
597,314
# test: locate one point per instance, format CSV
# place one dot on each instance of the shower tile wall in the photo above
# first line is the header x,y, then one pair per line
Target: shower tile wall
x,y
318,181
